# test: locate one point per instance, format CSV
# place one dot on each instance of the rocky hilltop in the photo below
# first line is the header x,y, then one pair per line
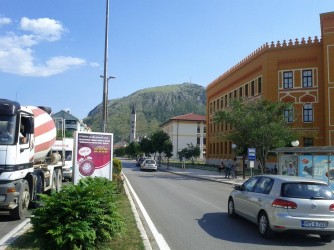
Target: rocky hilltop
x,y
153,106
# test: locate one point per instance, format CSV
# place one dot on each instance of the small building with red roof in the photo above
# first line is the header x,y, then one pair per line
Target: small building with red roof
x,y
186,129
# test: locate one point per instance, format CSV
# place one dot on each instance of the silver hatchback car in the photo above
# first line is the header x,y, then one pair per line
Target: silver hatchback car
x,y
149,164
278,203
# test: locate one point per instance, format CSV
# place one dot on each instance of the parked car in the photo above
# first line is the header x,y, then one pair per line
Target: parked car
x,y
140,161
278,203
149,164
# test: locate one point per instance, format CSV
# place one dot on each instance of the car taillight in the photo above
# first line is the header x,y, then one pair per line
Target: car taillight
x,y
331,208
284,204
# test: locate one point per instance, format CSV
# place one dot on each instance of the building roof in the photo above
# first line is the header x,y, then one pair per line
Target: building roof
x,y
64,115
187,117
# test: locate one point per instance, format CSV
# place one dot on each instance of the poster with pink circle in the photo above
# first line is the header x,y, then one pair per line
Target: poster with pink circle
x,y
93,155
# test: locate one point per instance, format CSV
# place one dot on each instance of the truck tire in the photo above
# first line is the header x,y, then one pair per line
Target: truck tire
x,y
20,211
54,182
59,180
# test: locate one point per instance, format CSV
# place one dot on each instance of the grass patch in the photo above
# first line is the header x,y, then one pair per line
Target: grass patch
x,y
130,240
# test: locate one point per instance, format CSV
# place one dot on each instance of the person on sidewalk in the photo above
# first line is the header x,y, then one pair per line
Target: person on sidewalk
x,y
228,169
221,166
183,163
233,168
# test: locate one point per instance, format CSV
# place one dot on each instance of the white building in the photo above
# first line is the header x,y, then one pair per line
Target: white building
x,y
186,129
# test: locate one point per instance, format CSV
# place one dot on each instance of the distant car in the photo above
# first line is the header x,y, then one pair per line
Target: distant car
x,y
149,164
278,203
140,161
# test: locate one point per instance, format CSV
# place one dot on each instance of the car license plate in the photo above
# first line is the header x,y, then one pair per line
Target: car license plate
x,y
314,224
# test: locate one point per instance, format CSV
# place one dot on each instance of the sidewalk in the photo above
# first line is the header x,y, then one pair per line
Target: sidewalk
x,y
204,174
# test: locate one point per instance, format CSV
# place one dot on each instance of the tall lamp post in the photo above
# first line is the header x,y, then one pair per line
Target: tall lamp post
x,y
105,79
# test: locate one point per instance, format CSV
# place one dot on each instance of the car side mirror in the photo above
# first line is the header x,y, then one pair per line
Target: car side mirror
x,y
237,187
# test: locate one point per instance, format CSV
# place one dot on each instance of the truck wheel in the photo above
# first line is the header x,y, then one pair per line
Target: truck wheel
x,y
20,211
59,181
54,182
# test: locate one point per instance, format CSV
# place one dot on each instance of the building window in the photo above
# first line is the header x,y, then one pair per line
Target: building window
x,y
307,78
240,92
252,88
198,128
308,113
235,93
246,90
288,115
204,141
308,142
287,80
259,85
198,140
204,129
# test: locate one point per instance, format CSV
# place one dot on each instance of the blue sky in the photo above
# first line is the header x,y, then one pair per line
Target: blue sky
x,y
52,51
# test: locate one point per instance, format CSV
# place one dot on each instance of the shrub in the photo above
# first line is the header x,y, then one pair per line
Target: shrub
x,y
79,216
117,166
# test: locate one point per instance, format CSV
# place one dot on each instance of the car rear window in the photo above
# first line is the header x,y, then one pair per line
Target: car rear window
x,y
150,161
307,190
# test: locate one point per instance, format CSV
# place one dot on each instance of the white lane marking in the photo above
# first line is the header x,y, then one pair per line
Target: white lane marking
x,y
158,237
5,241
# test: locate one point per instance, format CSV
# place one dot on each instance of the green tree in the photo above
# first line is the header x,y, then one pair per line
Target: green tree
x,y
119,152
190,152
168,149
257,123
146,146
158,139
133,149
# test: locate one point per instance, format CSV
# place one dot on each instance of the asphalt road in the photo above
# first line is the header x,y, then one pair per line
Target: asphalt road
x,y
192,214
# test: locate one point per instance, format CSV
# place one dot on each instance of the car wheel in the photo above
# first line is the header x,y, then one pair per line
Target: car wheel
x,y
327,237
230,208
264,226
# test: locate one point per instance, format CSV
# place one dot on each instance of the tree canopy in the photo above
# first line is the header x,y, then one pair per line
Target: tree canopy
x,y
257,123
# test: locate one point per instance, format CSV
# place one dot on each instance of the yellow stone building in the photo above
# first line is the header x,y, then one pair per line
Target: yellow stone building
x,y
296,71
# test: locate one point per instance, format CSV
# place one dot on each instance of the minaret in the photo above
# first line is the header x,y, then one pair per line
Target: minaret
x,y
133,125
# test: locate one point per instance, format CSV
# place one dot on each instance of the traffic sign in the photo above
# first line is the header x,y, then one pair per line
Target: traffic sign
x,y
251,154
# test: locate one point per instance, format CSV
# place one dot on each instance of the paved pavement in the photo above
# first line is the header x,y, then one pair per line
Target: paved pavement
x,y
191,172
204,174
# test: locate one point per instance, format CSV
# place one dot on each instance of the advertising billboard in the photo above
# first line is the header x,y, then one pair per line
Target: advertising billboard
x,y
93,155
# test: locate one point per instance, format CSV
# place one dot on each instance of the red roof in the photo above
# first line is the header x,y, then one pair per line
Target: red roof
x,y
190,117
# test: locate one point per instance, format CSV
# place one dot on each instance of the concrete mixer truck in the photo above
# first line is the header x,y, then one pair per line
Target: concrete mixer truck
x,y
27,167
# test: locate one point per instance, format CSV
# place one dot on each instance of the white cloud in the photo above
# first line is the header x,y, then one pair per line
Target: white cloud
x,y
45,28
4,21
17,56
94,64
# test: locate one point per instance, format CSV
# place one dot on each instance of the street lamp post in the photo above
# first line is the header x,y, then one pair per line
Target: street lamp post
x,y
105,103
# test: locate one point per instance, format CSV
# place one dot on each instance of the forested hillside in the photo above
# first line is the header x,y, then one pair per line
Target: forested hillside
x,y
153,107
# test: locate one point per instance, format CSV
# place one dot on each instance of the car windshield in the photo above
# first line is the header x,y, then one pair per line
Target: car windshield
x,y
307,190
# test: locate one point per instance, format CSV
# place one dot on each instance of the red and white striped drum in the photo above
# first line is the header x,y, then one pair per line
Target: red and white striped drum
x,y
45,133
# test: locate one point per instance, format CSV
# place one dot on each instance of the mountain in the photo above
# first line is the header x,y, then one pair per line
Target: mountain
x,y
153,106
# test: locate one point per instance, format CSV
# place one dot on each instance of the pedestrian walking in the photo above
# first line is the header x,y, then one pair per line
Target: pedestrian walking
x,y
221,167
234,168
228,169
183,163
